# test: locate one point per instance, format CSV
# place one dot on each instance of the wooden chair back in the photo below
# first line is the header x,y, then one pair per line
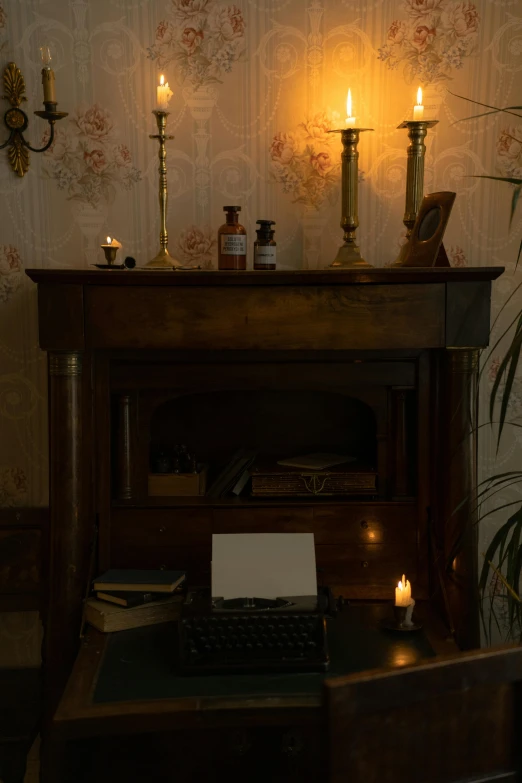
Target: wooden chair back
x,y
452,720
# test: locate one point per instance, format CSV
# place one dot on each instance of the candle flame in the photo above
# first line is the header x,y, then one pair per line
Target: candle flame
x,y
400,585
349,104
162,80
419,96
109,241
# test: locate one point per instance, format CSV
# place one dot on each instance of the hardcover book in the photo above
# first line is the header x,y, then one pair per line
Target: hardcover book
x,y
130,598
133,580
108,617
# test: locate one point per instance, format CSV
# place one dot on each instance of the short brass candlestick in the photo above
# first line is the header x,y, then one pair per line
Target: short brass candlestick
x,y
417,130
349,255
163,259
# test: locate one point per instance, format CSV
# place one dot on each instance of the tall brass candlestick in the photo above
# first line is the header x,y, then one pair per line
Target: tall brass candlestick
x,y
163,258
417,130
349,254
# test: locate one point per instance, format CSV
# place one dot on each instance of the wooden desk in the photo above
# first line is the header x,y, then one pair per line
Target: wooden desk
x,y
123,684
385,360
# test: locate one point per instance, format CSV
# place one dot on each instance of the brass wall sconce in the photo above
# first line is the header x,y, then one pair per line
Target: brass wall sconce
x,y
16,120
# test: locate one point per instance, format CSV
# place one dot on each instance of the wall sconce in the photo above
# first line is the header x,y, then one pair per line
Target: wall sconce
x,y
16,120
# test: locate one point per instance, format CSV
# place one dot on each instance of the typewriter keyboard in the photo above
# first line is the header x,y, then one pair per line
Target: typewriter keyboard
x,y
260,641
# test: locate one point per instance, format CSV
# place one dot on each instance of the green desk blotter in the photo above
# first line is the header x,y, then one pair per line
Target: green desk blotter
x,y
141,664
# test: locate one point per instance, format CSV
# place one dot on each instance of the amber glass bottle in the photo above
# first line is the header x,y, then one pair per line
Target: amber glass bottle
x,y
264,247
232,241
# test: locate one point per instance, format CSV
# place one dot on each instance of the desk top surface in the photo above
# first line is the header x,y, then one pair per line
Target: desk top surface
x,y
130,678
292,277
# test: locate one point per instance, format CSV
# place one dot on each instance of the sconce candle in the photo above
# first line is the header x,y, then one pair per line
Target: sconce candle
x,y
403,593
418,110
164,94
47,76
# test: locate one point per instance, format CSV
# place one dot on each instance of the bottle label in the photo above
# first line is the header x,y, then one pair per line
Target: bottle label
x,y
233,244
265,254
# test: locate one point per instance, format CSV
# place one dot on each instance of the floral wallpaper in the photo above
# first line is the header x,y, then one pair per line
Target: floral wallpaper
x,y
256,86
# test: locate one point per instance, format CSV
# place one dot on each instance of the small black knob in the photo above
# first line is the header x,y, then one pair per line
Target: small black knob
x,y
364,524
130,262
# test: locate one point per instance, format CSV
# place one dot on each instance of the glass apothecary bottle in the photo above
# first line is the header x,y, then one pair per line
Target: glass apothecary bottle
x,y
232,241
265,247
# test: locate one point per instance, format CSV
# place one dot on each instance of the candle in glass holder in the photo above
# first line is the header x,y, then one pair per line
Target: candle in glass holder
x,y
350,121
418,110
164,94
403,593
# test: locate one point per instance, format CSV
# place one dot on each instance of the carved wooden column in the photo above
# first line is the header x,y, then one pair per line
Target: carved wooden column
x,y
459,488
69,544
402,444
124,447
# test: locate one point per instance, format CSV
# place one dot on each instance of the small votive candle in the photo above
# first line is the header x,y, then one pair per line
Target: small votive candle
x,y
110,248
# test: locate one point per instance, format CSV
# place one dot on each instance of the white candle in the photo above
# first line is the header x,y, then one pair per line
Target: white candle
x,y
418,110
350,121
47,75
403,593
164,94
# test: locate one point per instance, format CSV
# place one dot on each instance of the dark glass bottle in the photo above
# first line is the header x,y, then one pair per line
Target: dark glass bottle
x,y
264,246
232,241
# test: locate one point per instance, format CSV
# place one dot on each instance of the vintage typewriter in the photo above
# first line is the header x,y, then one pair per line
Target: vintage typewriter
x,y
254,634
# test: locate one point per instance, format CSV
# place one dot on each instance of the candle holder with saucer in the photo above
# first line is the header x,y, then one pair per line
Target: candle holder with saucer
x,y
402,619
110,249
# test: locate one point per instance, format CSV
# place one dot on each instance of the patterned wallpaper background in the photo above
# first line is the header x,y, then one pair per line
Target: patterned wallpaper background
x,y
256,84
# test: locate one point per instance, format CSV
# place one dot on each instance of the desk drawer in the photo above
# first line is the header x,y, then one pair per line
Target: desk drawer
x,y
157,527
366,570
195,560
263,520
364,523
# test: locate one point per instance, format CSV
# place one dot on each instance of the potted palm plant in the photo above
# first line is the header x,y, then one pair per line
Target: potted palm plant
x,y
500,574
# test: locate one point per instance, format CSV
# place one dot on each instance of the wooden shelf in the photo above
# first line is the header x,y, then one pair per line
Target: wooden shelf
x,y
255,502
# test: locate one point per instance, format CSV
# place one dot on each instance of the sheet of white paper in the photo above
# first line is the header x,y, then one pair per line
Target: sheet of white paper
x,y
263,565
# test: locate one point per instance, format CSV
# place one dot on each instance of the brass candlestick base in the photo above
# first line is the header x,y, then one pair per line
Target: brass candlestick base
x,y
163,259
417,131
349,255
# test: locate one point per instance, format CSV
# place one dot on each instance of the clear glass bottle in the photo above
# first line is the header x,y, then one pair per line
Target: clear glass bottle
x,y
264,246
232,241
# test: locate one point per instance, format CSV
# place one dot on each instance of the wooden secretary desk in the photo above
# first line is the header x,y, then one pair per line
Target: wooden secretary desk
x,y
382,363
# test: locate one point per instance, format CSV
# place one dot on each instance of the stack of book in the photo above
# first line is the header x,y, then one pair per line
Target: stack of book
x,y
132,598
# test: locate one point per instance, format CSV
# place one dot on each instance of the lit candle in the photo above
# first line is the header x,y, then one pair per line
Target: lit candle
x,y
403,593
350,121
418,110
47,75
164,94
